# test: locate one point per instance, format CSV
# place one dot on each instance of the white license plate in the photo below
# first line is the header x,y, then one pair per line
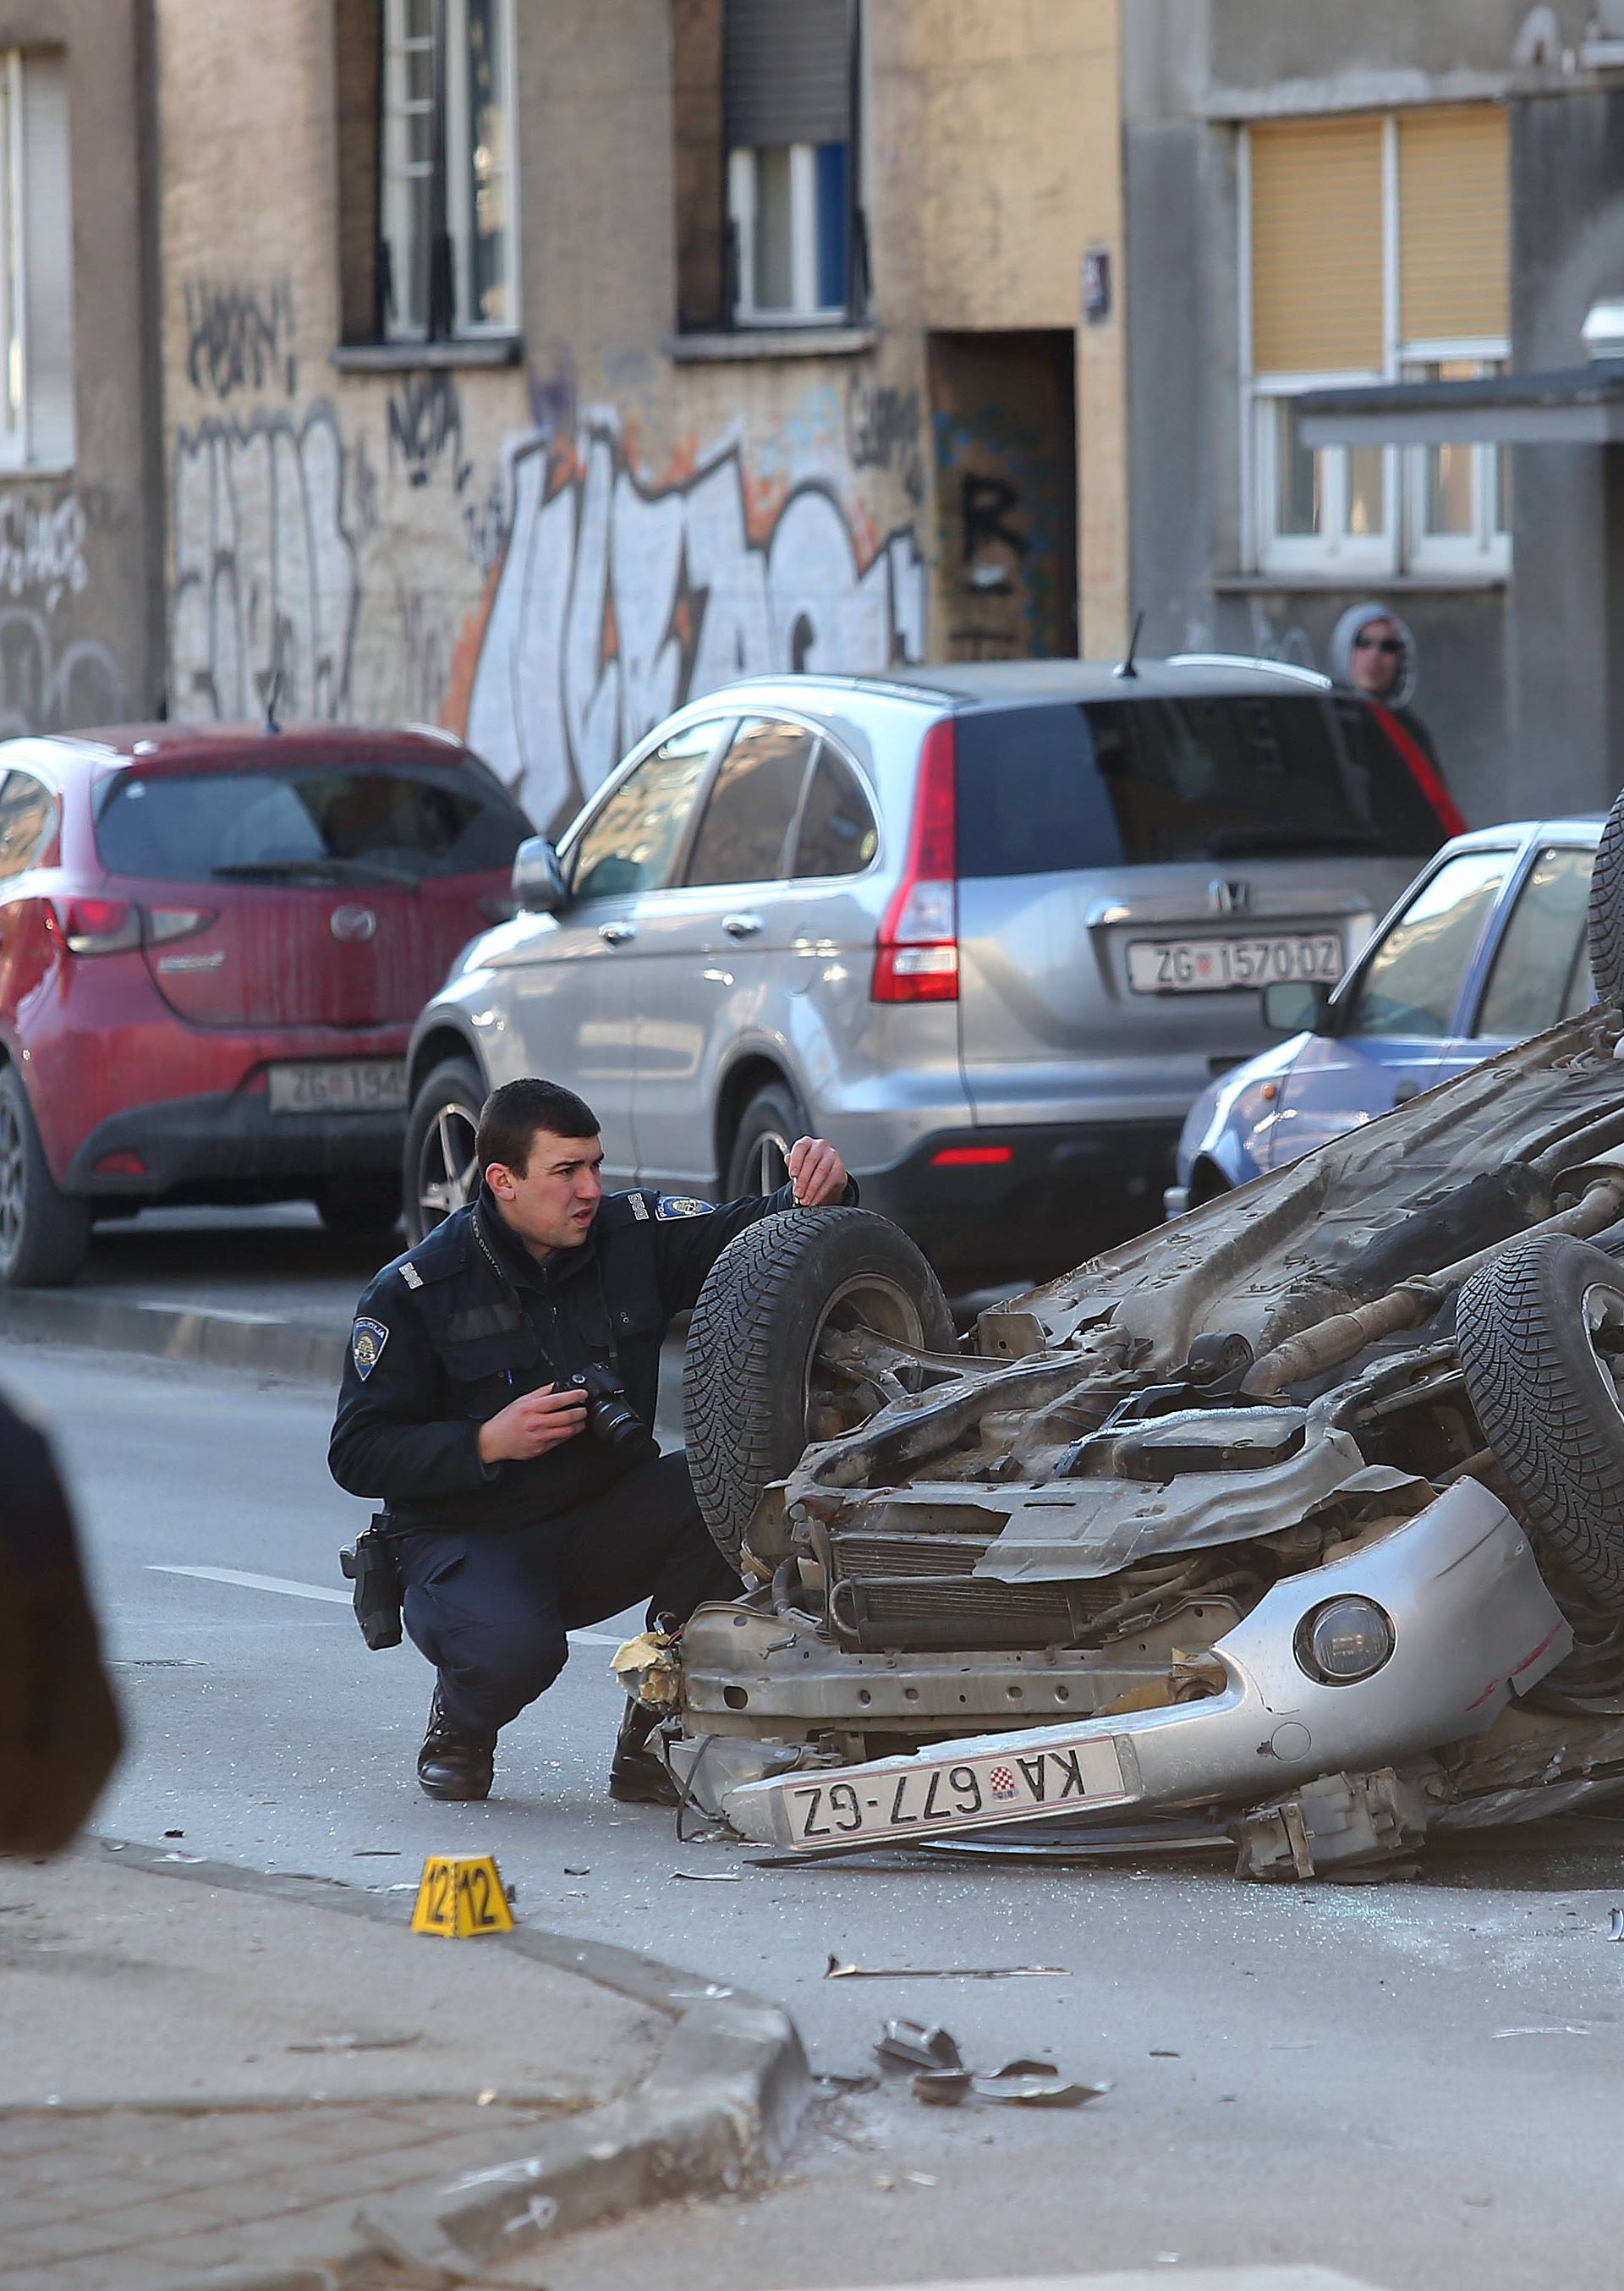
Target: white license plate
x,y
344,1086
1199,965
924,1799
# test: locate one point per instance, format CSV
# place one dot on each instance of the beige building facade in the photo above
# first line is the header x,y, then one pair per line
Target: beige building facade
x,y
529,366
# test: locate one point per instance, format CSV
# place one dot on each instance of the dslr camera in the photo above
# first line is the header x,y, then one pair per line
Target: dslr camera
x,y
610,1417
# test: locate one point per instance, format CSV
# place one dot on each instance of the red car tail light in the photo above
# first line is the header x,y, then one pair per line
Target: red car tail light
x,y
916,954
972,1157
115,926
97,926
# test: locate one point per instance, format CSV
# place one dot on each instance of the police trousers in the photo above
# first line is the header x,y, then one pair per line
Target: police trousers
x,y
490,1610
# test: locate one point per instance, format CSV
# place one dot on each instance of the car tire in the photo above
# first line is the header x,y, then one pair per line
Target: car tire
x,y
1606,911
361,1207
768,1126
438,1173
1535,1329
43,1233
748,1385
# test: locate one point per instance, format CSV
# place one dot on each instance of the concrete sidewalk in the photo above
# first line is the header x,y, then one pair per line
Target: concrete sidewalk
x,y
278,2079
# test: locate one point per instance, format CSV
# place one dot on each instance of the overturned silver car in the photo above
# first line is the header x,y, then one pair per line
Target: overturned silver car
x,y
1304,1515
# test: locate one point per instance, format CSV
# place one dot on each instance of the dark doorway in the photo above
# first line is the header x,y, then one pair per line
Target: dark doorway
x,y
1004,416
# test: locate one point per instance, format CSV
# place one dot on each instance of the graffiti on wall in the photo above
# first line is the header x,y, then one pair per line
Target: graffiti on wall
x,y
47,688
266,581
425,429
617,601
239,337
41,547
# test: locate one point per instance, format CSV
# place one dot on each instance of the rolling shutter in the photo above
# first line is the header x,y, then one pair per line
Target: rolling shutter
x,y
787,72
1316,246
47,262
1454,222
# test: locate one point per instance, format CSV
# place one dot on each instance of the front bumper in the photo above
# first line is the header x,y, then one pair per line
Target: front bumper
x,y
1473,1623
984,1196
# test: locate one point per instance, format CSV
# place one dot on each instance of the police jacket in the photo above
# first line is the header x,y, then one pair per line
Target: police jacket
x,y
453,1330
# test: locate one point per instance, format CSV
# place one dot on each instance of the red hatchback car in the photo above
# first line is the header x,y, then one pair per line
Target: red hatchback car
x,y
212,944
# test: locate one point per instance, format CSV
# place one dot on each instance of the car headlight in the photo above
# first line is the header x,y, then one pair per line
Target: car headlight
x,y
1344,1641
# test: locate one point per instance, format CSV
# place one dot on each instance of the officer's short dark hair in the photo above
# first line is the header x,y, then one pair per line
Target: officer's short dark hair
x,y
513,1115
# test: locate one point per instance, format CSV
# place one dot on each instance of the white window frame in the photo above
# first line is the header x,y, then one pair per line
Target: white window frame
x,y
459,194
1403,546
23,406
803,309
1486,550
465,325
400,174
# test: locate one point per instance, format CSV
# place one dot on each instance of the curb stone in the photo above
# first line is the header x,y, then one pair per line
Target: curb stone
x,y
718,2107
213,1335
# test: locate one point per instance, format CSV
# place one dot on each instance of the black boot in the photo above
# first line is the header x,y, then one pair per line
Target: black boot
x,y
452,1763
636,1775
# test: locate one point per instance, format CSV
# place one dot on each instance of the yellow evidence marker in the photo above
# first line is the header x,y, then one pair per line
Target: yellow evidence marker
x,y
459,1895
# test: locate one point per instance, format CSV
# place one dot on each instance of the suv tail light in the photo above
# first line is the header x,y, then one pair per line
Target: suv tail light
x,y
117,926
916,954
1424,774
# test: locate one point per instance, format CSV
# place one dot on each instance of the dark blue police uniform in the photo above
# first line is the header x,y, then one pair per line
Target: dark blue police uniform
x,y
499,1560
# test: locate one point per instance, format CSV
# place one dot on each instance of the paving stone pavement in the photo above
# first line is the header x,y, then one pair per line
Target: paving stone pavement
x,y
128,2200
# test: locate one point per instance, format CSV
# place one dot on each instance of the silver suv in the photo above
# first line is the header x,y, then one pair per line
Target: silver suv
x,y
991,927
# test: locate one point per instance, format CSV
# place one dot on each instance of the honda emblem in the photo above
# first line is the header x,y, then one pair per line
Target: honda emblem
x,y
352,925
1227,897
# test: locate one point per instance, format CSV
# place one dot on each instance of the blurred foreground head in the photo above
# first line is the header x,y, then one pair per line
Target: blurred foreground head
x,y
60,1735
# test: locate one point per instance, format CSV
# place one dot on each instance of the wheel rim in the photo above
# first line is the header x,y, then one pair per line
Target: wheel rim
x,y
447,1167
868,1300
1603,1310
13,1181
769,1161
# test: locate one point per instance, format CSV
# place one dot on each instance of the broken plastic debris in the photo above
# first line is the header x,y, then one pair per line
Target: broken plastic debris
x,y
376,1853
348,2042
835,1971
1615,1925
484,2099
910,2045
175,1833
710,1877
1012,2087
568,1872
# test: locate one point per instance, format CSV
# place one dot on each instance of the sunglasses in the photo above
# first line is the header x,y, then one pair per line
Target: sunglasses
x,y
1378,644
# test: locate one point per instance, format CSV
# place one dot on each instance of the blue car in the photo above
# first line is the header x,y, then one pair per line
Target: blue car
x,y
1486,947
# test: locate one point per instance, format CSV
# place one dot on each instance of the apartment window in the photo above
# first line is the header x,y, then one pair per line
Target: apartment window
x,y
445,163
1376,250
789,84
36,417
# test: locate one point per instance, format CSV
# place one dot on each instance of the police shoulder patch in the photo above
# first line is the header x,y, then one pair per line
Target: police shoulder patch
x,y
367,1343
681,1205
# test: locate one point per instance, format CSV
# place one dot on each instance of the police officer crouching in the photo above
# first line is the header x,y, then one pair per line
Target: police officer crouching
x,y
498,1396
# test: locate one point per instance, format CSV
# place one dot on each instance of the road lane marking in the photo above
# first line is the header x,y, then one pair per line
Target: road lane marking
x,y
289,1589
255,1582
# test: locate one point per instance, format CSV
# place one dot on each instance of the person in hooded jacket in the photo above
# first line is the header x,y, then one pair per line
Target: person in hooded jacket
x,y
1373,651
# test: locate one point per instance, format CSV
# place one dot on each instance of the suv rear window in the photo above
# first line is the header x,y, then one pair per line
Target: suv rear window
x,y
375,823
1100,784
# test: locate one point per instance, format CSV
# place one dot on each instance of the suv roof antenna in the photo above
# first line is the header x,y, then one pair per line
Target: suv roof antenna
x,y
1125,666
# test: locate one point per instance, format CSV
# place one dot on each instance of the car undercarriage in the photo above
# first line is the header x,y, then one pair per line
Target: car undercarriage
x,y
1301,1517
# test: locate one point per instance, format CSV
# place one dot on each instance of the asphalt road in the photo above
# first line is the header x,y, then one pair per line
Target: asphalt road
x,y
1413,2084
